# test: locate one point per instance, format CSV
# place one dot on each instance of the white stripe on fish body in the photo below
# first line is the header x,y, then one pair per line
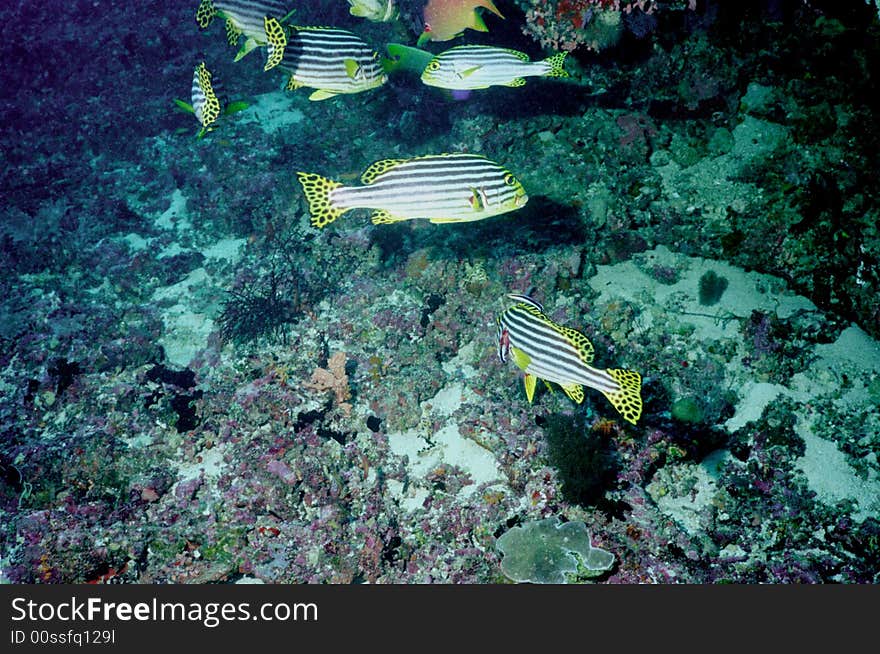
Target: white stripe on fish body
x,y
249,15
480,66
317,57
551,355
459,187
198,98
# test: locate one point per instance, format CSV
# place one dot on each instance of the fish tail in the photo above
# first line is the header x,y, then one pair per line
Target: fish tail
x,y
557,65
276,40
317,190
628,398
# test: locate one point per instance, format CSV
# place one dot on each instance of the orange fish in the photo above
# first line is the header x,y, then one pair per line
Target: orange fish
x,y
446,19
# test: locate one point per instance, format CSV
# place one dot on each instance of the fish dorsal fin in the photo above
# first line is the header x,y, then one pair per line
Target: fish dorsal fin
x,y
628,398
525,299
378,168
205,13
321,94
522,56
581,343
276,41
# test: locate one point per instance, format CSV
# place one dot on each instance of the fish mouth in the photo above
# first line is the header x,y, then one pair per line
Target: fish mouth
x,y
521,200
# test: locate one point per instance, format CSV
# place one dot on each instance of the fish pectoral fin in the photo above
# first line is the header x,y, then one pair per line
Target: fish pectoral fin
x,y
628,398
351,68
383,217
321,94
574,391
520,358
184,106
248,45
467,72
529,382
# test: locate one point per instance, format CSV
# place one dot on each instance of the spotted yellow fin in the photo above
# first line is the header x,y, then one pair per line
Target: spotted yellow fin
x,y
556,63
574,392
211,108
519,81
377,168
232,34
628,398
383,217
317,190
205,13
276,41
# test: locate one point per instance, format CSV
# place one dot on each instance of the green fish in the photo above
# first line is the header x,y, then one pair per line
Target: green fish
x,y
259,21
544,349
443,188
467,67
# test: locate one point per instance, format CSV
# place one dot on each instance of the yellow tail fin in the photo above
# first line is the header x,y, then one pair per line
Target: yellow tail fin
x,y
628,399
276,40
317,190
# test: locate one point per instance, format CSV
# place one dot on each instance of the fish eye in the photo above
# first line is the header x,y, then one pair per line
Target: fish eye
x,y
509,179
433,65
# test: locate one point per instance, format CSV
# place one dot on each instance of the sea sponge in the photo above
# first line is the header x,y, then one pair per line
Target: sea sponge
x,y
545,551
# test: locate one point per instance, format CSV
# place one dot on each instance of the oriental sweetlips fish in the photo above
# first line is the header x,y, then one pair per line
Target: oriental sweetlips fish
x,y
331,60
207,104
443,188
467,67
259,21
542,348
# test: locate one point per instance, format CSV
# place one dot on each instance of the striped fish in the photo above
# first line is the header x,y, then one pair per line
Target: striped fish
x,y
466,67
331,60
205,104
542,348
443,188
259,21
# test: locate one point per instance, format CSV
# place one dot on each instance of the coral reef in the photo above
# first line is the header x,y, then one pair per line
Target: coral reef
x,y
196,386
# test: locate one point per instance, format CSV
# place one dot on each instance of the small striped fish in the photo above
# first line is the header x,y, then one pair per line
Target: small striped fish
x,y
466,67
542,348
443,188
260,21
205,104
331,60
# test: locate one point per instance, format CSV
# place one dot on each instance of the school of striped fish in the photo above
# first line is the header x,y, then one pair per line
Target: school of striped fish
x,y
439,188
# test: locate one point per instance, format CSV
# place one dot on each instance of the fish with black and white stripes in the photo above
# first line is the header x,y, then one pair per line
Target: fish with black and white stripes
x,y
442,188
544,349
331,60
